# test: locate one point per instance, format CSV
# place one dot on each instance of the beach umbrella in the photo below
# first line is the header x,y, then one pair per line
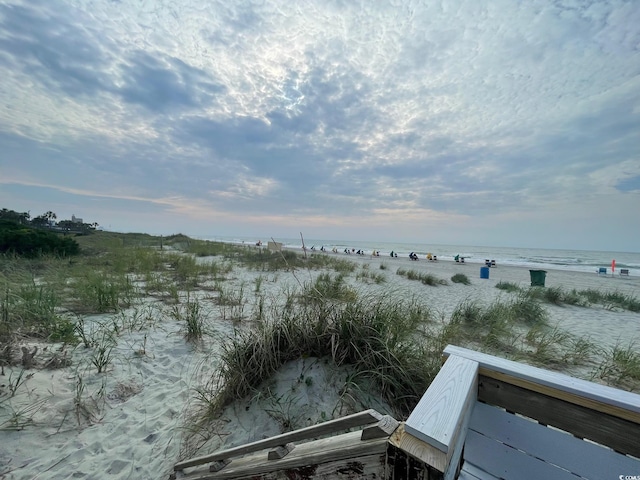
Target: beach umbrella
x,y
613,266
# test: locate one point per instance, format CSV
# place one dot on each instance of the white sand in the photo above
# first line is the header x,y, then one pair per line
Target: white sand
x,y
133,427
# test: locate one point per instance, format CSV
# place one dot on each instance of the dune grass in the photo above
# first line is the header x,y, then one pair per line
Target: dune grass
x,y
382,338
612,299
507,286
391,342
366,275
582,298
461,278
620,365
496,326
424,278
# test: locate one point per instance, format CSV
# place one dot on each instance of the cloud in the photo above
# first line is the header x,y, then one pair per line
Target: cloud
x,y
55,47
160,84
334,112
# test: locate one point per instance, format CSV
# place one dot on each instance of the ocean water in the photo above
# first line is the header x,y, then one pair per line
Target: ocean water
x,y
533,258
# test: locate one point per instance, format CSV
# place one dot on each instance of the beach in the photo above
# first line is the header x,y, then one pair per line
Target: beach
x,y
131,420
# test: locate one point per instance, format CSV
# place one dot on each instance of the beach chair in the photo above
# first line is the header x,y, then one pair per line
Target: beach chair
x,y
602,271
624,272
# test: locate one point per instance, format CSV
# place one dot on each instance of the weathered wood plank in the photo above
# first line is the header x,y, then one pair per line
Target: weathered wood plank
x,y
417,448
604,399
281,451
399,465
356,420
617,433
219,465
508,463
385,427
309,456
437,417
585,459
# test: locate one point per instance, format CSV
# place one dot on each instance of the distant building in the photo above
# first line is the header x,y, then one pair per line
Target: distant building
x,y
75,219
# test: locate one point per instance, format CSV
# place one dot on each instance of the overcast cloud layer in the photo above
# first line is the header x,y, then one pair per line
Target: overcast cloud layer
x,y
469,122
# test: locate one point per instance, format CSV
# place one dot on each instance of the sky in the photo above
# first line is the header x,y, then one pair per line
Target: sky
x,y
498,123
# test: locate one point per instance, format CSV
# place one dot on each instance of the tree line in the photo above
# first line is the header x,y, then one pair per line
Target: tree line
x,y
31,237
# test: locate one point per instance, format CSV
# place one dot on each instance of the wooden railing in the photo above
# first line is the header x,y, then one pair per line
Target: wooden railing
x,y
603,414
469,404
377,426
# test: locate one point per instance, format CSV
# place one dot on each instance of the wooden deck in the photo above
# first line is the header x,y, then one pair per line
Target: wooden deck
x,y
483,417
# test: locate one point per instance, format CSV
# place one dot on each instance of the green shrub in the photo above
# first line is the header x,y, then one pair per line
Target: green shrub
x,y
460,278
425,278
507,286
29,242
380,337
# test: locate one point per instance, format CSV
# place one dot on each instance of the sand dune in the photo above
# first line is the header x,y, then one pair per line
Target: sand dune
x,y
128,422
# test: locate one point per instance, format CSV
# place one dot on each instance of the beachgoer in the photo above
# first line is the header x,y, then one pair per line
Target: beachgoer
x,y
457,258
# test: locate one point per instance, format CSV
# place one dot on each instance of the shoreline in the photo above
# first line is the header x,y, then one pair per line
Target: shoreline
x,y
512,273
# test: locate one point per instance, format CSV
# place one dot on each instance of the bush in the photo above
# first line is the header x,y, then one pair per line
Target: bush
x,y
507,286
28,242
381,338
460,278
425,278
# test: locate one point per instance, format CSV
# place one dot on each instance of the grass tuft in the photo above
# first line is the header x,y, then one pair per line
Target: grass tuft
x,y
380,337
461,278
425,278
507,286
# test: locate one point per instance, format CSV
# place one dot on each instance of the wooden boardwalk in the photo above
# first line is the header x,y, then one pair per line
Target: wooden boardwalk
x,y
483,417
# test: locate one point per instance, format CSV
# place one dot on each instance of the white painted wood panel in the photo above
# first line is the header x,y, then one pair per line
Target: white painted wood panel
x,y
599,397
438,417
508,463
583,458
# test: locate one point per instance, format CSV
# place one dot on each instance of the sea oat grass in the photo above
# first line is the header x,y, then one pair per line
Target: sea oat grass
x,y
611,300
100,292
424,278
507,286
548,346
580,351
191,314
380,338
621,366
497,325
327,287
461,278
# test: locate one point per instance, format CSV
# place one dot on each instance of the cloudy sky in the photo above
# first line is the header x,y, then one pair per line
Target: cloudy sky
x,y
500,123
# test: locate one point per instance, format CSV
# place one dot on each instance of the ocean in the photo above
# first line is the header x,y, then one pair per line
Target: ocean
x,y
533,258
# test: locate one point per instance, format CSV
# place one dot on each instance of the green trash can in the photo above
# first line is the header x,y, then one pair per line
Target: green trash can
x,y
538,277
